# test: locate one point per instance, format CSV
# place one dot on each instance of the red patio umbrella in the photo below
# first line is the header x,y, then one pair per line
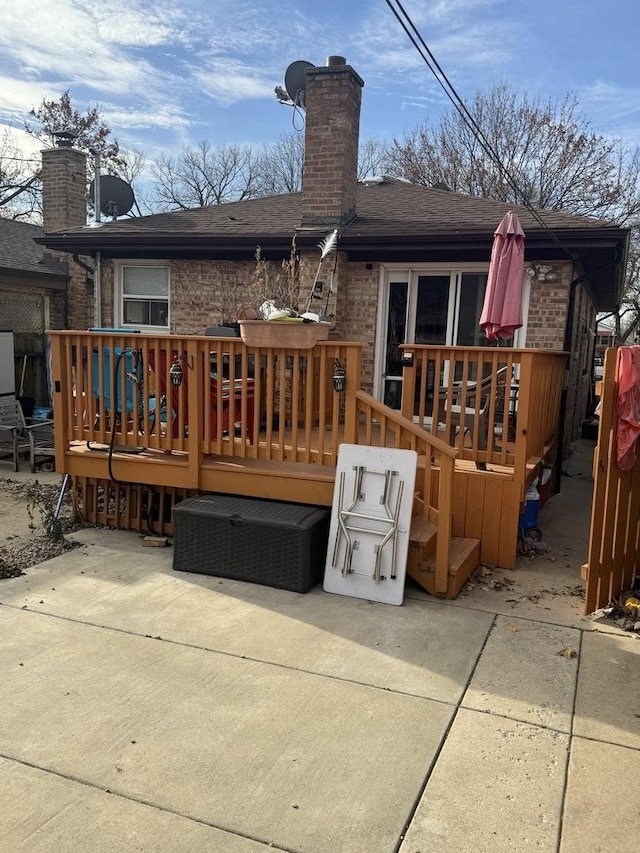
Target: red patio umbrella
x,y
502,309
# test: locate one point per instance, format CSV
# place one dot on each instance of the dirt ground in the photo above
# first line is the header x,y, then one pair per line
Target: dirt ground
x,y
28,535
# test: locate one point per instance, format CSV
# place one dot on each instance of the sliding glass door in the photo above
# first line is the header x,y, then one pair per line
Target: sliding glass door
x,y
422,307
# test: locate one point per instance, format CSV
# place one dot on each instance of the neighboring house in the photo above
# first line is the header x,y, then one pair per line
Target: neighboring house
x,y
411,267
33,293
605,338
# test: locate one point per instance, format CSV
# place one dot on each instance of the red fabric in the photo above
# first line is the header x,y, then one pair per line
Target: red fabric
x,y
502,309
231,408
628,406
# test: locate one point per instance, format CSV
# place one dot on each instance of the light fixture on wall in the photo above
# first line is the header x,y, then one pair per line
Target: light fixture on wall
x,y
542,272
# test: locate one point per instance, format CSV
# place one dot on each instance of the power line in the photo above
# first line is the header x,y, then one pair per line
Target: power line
x,y
19,159
448,88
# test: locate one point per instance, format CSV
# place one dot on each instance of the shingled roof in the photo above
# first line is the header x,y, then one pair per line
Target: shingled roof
x,y
395,221
22,258
391,208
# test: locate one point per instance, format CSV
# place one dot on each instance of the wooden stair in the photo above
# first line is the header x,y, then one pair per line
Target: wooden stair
x,y
465,558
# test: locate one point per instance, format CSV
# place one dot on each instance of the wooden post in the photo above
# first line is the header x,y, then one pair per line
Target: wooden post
x,y
408,387
199,360
523,418
445,500
61,392
353,370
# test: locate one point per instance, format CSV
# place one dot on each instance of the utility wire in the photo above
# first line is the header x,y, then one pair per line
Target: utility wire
x,y
436,69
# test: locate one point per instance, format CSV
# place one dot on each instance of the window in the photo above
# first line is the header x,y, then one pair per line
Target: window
x,y
144,296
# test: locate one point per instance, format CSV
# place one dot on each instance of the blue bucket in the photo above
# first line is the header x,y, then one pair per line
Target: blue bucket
x,y
529,517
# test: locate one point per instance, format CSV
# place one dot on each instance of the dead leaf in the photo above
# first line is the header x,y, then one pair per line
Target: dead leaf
x,y
568,653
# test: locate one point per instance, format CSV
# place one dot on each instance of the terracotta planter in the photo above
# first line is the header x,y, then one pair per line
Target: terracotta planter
x,y
282,333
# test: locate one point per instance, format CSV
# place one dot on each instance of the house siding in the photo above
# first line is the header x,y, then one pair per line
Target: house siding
x,y
547,316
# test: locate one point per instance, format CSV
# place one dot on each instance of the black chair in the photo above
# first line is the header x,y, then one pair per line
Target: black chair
x,y
222,332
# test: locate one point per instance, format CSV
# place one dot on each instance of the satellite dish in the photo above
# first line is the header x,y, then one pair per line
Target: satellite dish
x,y
295,81
116,196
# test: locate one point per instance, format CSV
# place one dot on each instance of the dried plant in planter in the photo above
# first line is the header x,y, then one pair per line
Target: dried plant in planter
x,y
273,286
277,288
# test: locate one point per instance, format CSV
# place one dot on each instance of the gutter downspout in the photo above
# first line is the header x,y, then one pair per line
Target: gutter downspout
x,y
563,397
97,223
97,292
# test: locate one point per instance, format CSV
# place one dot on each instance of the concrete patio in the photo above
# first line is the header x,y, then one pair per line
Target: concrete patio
x,y
150,710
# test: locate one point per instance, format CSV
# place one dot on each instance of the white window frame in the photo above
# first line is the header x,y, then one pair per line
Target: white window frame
x,y
118,307
389,272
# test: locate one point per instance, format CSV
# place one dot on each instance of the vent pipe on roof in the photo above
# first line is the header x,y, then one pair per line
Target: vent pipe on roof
x,y
64,138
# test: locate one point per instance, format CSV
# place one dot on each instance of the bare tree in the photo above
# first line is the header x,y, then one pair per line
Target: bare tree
x,y
281,165
556,160
373,158
211,175
205,175
19,182
545,154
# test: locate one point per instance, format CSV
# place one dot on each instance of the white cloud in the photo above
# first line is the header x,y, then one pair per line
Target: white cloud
x,y
19,96
618,101
19,139
163,116
227,83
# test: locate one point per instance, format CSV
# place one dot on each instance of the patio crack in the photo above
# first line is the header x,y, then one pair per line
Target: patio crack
x,y
70,777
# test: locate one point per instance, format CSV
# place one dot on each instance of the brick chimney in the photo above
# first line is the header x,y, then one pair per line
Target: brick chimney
x,y
332,99
64,187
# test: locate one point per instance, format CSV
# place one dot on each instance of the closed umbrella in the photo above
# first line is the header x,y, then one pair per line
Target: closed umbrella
x,y
502,309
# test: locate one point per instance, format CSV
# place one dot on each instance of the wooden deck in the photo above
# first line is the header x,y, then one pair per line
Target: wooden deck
x,y
269,424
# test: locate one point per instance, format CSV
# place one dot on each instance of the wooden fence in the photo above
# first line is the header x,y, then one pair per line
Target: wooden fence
x,y
614,538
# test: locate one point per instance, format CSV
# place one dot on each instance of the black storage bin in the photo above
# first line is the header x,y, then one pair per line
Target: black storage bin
x,y
268,542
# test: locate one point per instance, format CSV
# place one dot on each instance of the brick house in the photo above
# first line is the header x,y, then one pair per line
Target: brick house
x,y
33,295
411,266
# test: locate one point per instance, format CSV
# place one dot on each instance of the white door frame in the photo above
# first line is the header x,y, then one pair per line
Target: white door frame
x,y
410,274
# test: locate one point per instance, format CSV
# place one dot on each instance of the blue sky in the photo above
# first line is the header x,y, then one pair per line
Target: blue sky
x,y
168,73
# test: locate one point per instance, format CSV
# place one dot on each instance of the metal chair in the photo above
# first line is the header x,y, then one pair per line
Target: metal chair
x,y
465,414
19,434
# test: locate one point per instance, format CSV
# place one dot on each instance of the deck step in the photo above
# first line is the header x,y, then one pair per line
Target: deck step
x,y
422,531
464,559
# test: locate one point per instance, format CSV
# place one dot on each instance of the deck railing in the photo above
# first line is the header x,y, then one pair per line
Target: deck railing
x,y
495,405
200,395
383,427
